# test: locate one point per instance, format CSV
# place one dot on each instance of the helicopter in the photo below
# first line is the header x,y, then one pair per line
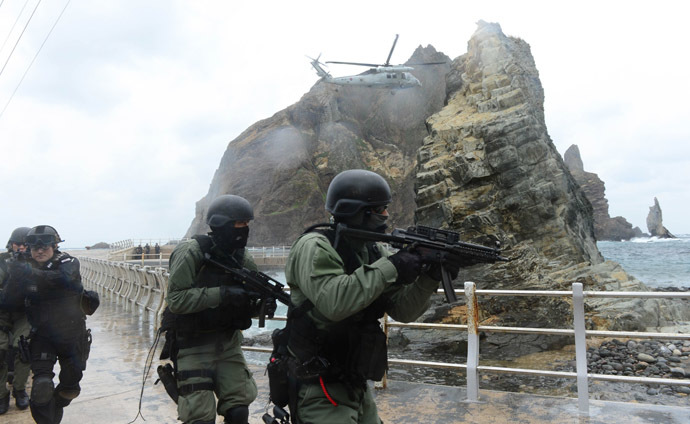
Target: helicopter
x,y
379,76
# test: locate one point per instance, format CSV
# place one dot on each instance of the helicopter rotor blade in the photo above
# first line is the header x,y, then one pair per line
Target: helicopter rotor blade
x,y
371,65
388,60
426,63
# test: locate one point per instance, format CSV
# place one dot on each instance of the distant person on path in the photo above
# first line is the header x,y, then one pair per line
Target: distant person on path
x,y
52,288
13,325
157,249
210,309
147,250
138,251
341,287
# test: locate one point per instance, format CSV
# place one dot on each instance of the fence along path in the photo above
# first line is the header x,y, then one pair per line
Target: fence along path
x,y
133,286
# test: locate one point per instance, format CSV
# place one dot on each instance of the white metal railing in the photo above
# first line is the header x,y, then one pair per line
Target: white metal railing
x,y
269,252
128,284
161,258
579,332
146,287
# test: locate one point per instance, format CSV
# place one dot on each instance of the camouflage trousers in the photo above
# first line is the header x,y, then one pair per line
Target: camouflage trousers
x,y
12,326
355,405
210,370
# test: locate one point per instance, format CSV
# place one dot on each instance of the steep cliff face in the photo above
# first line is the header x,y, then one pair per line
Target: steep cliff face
x,y
488,167
489,170
283,164
605,227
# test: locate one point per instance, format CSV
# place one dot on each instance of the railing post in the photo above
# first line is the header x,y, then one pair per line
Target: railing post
x,y
580,348
383,384
472,342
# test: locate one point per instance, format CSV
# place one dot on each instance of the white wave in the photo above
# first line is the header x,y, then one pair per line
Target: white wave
x,y
682,239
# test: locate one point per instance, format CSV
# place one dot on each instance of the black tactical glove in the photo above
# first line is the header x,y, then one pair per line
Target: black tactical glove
x,y
270,308
236,297
452,264
408,264
19,270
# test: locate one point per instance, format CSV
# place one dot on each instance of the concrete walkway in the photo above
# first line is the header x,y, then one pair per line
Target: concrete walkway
x,y
121,341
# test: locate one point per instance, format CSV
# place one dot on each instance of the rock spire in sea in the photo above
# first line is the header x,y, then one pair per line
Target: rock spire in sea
x,y
655,224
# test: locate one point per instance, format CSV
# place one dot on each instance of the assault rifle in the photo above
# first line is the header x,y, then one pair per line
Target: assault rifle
x,y
257,281
20,256
435,246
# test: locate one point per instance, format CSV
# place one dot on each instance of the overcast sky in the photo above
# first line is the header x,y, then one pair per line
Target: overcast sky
x,y
121,121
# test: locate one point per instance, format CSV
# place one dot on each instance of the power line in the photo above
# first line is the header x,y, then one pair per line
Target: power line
x,y
20,37
35,56
13,25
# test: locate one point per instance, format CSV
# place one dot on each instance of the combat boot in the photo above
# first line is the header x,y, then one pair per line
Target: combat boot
x,y
58,415
21,398
4,404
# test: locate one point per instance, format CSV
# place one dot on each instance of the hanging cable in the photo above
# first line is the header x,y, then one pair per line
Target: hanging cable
x,y
35,56
13,25
147,369
20,37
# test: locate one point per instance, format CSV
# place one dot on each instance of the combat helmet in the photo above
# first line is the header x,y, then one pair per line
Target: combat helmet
x,y
18,236
43,235
354,190
228,208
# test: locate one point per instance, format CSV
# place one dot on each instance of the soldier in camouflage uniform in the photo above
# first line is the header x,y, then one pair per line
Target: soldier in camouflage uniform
x,y
13,322
210,308
341,286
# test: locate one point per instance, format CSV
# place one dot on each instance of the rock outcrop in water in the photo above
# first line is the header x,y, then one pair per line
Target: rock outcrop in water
x,y
655,223
605,227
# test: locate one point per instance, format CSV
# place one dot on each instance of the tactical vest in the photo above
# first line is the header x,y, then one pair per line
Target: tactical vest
x,y
56,302
221,318
4,301
352,350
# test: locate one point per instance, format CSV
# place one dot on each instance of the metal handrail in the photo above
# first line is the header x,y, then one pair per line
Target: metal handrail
x,y
106,276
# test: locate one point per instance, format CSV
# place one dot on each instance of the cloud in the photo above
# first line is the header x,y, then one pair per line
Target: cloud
x,y
122,120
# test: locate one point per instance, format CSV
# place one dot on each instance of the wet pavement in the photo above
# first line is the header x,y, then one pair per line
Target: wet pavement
x,y
121,341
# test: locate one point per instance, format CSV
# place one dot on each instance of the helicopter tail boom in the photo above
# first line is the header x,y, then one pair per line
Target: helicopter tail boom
x,y
319,70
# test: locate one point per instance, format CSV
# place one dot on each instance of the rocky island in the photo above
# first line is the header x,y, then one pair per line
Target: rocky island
x,y
605,227
655,223
468,151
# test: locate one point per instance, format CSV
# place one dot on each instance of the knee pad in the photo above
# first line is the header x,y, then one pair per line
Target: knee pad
x,y
68,394
42,390
237,415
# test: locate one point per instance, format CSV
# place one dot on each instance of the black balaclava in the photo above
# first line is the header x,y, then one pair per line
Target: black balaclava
x,y
375,222
228,237
369,221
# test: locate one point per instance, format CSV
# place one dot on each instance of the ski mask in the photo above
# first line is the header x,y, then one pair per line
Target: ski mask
x,y
228,237
375,222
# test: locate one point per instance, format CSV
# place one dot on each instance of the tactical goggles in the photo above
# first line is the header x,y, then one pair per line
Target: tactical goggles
x,y
39,240
379,209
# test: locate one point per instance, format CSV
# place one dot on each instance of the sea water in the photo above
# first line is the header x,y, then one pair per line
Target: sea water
x,y
656,262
